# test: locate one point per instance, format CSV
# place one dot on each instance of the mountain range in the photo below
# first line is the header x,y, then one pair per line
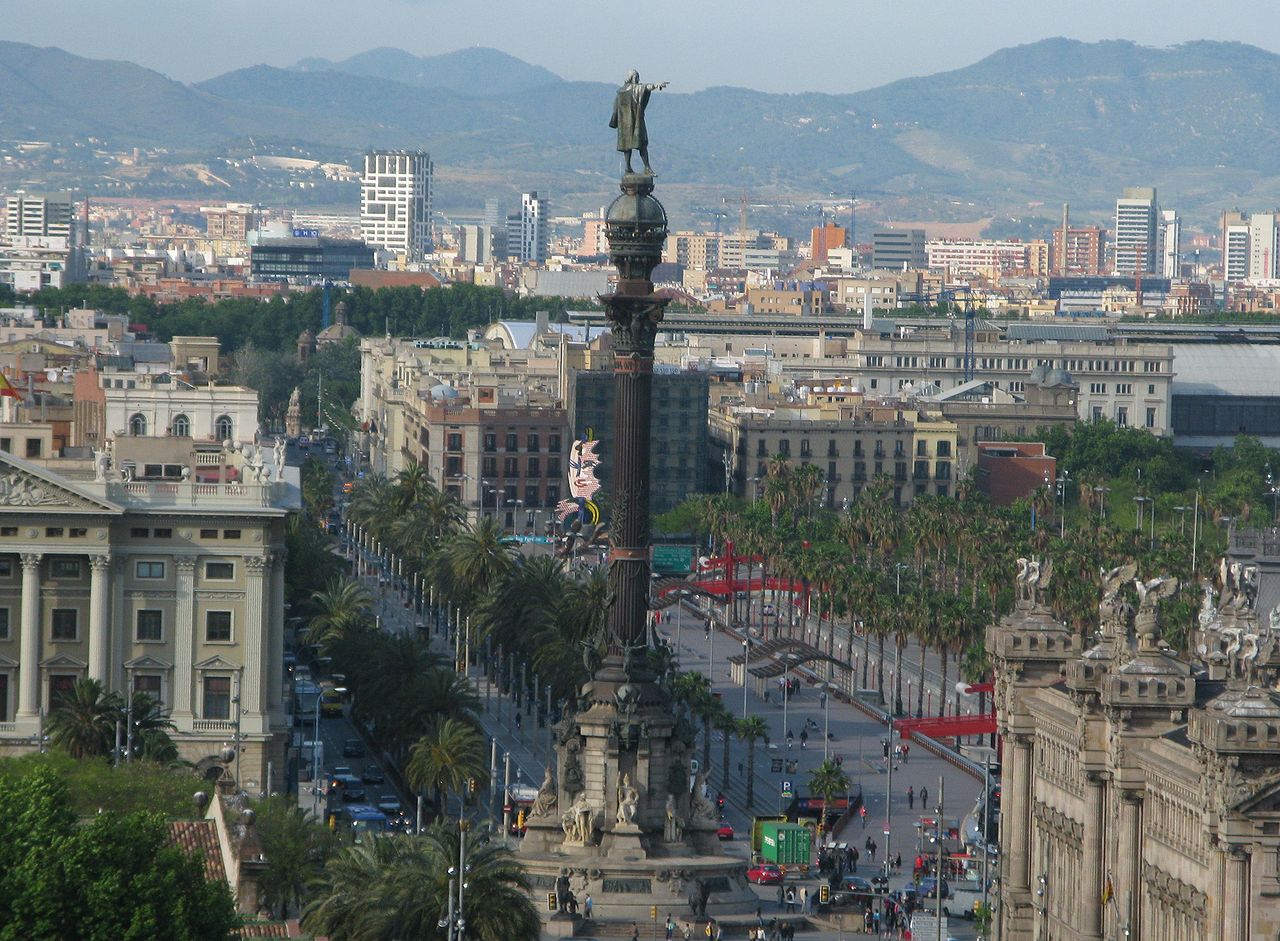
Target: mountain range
x,y
1057,120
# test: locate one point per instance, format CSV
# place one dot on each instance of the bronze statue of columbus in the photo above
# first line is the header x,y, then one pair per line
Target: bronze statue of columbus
x,y
628,117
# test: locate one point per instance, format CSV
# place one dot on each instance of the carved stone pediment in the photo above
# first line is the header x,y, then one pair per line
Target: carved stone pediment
x,y
63,662
217,663
1263,798
25,486
147,662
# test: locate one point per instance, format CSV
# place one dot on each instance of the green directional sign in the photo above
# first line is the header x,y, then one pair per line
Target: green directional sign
x,y
673,560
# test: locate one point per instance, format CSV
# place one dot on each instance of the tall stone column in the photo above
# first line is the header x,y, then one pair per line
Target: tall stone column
x,y
1091,875
275,645
183,635
1128,864
254,629
100,618
1019,804
29,658
1235,895
636,226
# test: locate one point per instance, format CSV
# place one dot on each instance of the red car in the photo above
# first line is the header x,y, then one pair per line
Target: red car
x,y
764,874
724,832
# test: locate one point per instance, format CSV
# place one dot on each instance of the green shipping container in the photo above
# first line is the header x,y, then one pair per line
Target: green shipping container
x,y
786,844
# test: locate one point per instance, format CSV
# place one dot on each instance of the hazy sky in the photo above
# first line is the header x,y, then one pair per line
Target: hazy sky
x,y
803,45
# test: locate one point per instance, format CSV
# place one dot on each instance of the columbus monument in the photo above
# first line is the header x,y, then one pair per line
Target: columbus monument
x,y
623,817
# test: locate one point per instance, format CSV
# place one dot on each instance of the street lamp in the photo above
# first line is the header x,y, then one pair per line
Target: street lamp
x,y
1274,490
1137,519
1062,500
1102,501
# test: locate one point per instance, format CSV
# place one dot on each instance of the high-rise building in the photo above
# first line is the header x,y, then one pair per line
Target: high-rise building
x,y
43,216
823,239
482,244
1235,247
527,229
1085,251
1170,247
1264,242
395,202
898,248
1136,231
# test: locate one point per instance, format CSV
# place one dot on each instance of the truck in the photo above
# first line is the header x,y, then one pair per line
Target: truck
x,y
787,845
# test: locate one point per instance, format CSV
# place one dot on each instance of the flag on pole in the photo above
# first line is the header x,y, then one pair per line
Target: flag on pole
x,y
1107,892
8,388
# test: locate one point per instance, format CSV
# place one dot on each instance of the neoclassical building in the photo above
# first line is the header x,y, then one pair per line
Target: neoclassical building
x,y
1141,790
154,579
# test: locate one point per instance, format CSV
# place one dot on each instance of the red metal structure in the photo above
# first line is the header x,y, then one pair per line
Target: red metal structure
x,y
951,726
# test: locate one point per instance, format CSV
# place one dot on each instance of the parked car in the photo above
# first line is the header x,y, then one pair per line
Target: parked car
x,y
858,884
929,887
353,748
724,831
843,900
372,774
764,874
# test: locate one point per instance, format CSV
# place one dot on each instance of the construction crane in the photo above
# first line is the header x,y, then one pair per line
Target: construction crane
x,y
970,326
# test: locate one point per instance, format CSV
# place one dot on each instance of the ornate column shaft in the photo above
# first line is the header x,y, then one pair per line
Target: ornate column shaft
x,y
1235,895
636,229
254,629
1128,866
275,645
29,662
1091,875
100,618
1019,822
183,634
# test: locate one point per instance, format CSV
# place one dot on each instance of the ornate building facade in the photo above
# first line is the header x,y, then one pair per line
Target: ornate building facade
x,y
1141,790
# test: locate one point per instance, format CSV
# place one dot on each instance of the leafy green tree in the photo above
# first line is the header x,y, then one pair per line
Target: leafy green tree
x,y
115,877
296,848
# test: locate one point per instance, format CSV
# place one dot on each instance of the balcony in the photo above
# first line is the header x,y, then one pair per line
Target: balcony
x,y
213,725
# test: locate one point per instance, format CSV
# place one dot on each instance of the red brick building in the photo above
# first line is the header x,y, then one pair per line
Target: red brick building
x,y
1010,470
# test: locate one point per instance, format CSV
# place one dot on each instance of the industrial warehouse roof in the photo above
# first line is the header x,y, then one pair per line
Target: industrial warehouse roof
x,y
1057,331
1227,369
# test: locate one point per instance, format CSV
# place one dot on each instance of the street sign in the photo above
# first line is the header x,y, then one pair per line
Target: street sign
x,y
786,789
673,560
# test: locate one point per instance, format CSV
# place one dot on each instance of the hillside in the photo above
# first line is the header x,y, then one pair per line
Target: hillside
x,y
1051,121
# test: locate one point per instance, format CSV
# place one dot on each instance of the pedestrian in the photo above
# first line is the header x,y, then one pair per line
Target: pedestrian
x,y
853,855
873,851
586,907
687,932
897,863
671,927
862,812
804,898
911,798
791,900
790,737
804,738
866,920
519,721
774,932
905,748
924,797
635,932
868,844
707,628
719,933
781,896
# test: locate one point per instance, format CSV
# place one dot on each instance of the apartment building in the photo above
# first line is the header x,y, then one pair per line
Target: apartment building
x,y
1137,231
528,230
895,249
1085,250
698,250
1235,247
797,298
395,202
985,256
40,216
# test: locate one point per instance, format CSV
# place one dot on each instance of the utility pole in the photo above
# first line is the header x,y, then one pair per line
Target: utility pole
x,y
937,886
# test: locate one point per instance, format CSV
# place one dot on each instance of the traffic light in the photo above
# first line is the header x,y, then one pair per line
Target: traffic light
x,y
653,912
551,901
824,893
520,820
471,787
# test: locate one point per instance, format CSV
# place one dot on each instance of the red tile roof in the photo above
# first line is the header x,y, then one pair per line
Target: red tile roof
x,y
200,838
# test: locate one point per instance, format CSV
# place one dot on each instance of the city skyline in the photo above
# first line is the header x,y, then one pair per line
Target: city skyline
x,y
575,41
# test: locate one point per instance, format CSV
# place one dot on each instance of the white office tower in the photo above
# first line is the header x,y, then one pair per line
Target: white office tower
x,y
527,230
1235,247
395,202
1170,247
1135,232
41,217
1264,241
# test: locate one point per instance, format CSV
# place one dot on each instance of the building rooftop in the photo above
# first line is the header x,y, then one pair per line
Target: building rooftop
x,y
1228,369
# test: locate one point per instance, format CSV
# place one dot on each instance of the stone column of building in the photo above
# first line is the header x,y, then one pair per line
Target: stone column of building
x,y
1019,808
255,627
29,663
275,646
1235,895
100,618
183,635
1128,885
1091,876
119,646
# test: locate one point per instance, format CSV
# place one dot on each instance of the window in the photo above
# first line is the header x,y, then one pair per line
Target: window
x,y
148,684
33,447
138,425
217,697
64,568
76,532
1124,388
534,441
531,496
150,622
1122,416
510,467
453,465
762,449
4,623
61,685
6,568
490,441
1151,388
922,448
64,623
1151,418
489,467
217,626
4,697
6,445
139,532
149,570
832,451
181,427
8,530
553,494
208,534
162,533
453,441
513,441
804,447
231,534
52,532
553,441
223,428
220,571
553,467
1097,388
784,447
534,469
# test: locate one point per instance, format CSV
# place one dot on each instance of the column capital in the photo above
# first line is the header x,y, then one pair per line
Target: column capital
x,y
1021,739
256,564
1131,796
1237,852
101,562
277,557
185,564
31,560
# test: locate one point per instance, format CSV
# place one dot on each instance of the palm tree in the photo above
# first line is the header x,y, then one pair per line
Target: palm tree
x,y
446,759
151,727
83,721
828,781
341,607
726,725
396,887
474,561
752,729
295,846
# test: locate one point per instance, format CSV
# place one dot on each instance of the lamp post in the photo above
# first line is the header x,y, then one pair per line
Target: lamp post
x,y
1102,502
1141,505
1062,501
1182,519
1274,490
